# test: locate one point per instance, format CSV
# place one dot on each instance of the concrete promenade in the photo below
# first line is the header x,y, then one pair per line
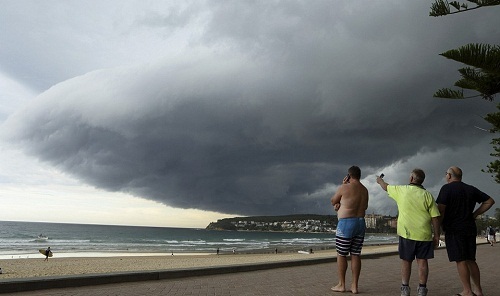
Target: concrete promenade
x,y
380,276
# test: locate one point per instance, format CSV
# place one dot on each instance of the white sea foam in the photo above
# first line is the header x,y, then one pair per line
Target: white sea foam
x,y
18,239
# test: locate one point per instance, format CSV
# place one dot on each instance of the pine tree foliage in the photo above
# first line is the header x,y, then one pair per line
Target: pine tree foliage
x,y
442,7
484,75
484,56
481,77
494,166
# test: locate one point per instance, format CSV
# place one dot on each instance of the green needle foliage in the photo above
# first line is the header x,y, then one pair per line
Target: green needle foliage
x,y
494,166
481,77
441,7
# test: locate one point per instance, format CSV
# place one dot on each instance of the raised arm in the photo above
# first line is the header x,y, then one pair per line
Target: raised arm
x,y
382,183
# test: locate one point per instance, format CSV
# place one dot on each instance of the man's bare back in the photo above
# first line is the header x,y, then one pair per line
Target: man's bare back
x,y
351,199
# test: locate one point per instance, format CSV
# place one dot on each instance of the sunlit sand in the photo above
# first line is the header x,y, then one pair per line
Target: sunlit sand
x,y
92,263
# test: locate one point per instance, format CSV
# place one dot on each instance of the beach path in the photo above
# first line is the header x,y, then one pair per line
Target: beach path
x,y
380,276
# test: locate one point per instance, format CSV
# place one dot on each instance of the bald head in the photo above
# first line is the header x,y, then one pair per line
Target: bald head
x,y
454,173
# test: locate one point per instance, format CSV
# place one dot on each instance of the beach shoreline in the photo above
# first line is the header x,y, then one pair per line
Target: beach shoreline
x,y
33,267
127,253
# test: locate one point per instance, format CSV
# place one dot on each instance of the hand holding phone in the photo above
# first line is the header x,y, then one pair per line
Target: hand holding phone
x,y
336,207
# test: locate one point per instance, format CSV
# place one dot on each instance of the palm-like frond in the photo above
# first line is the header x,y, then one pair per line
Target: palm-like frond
x,y
484,56
494,166
486,84
442,7
467,84
447,93
484,74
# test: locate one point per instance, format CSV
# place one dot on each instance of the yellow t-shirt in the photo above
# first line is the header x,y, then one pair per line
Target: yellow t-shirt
x,y
416,207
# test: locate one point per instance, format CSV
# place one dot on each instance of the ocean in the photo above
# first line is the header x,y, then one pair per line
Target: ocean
x,y
21,240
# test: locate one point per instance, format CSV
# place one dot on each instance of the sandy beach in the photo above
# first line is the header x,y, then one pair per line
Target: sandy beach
x,y
37,267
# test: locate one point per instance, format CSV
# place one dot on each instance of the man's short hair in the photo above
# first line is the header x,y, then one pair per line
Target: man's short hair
x,y
418,175
354,172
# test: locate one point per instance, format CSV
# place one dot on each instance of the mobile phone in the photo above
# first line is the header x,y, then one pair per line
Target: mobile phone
x,y
348,178
382,175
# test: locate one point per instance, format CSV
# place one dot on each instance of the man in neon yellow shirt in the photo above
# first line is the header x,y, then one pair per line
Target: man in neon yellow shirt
x,y
417,212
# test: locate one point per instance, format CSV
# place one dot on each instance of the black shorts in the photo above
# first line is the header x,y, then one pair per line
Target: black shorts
x,y
410,249
460,247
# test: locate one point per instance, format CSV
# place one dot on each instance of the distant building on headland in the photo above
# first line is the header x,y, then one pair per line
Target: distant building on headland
x,y
375,223
300,223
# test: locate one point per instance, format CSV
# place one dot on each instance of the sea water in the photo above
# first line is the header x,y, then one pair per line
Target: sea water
x,y
21,240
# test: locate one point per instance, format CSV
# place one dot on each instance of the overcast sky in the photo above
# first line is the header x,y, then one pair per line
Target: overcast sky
x,y
178,113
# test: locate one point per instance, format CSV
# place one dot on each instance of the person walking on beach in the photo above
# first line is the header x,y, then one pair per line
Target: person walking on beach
x,y
456,202
490,236
350,201
47,253
417,212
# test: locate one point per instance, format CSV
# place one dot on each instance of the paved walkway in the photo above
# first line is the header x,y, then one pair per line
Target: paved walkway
x,y
380,276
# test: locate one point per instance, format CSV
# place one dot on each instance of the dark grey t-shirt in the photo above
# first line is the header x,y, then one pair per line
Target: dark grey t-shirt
x,y
460,200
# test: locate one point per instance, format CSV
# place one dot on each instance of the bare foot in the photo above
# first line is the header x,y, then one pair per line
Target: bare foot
x,y
338,288
466,294
354,290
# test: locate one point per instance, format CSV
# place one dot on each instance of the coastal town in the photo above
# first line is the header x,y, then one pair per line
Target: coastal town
x,y
316,223
301,223
291,226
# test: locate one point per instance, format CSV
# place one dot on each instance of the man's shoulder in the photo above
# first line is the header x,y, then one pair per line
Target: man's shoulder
x,y
398,187
356,186
459,185
453,185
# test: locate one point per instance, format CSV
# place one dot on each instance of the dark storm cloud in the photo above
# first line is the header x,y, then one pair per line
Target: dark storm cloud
x,y
267,111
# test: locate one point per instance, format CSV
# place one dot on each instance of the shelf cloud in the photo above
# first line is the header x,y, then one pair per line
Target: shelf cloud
x,y
266,107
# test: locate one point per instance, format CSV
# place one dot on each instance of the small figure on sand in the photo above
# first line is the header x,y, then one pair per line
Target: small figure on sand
x,y
217,251
491,235
47,253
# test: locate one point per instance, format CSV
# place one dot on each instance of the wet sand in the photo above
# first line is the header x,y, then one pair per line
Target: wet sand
x,y
36,266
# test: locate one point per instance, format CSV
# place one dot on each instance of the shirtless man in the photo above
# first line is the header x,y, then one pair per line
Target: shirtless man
x,y
350,201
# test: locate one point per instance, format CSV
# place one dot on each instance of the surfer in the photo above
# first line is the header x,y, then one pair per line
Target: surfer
x,y
47,253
